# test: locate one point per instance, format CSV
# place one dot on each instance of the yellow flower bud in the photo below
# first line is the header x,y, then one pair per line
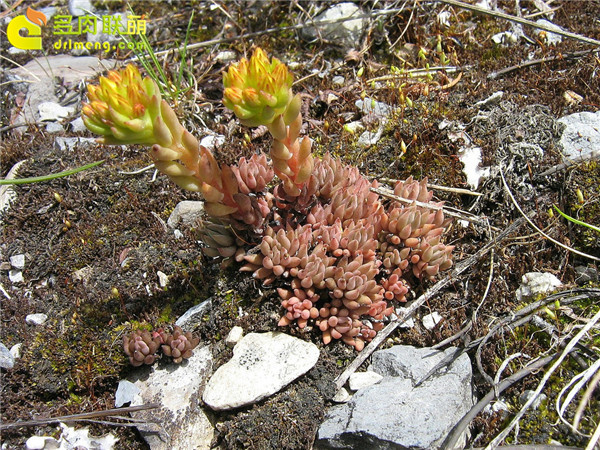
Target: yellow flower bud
x,y
257,90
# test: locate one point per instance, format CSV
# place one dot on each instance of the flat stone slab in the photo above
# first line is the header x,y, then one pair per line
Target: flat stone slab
x,y
72,69
394,413
179,422
262,364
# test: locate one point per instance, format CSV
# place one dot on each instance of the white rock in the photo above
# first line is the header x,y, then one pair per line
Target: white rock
x,y
7,359
359,380
368,138
550,38
193,316
338,81
491,100
126,392
77,125
341,396
212,141
226,56
15,350
163,278
370,106
71,69
431,320
15,276
346,34
261,365
470,156
72,439
187,212
581,137
179,422
234,336
71,144
80,7
18,261
354,127
41,443
505,38
54,111
535,283
36,319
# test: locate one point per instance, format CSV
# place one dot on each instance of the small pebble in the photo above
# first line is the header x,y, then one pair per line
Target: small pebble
x,y
17,261
36,319
234,336
163,278
126,392
7,360
15,276
431,320
15,350
359,380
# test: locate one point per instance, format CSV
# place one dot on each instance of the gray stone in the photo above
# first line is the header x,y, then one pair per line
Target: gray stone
x,y
36,319
7,360
360,380
53,111
18,261
550,38
405,416
179,422
342,29
193,316
71,144
77,125
80,7
581,136
586,274
372,107
71,69
262,364
187,212
535,283
126,392
54,127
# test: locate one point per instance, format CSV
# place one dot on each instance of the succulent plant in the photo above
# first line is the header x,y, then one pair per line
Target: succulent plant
x,y
338,254
179,345
142,346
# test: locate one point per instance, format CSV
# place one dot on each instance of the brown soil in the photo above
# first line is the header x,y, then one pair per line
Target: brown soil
x,y
94,241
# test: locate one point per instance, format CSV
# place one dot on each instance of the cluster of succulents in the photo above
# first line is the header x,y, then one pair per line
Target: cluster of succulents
x,y
336,251
145,347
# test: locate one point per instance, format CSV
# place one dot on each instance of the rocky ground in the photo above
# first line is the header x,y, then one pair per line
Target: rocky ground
x,y
421,89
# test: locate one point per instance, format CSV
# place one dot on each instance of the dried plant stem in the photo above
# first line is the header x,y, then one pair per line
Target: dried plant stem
x,y
594,154
452,438
452,212
566,247
458,269
535,62
570,347
437,187
77,417
520,20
